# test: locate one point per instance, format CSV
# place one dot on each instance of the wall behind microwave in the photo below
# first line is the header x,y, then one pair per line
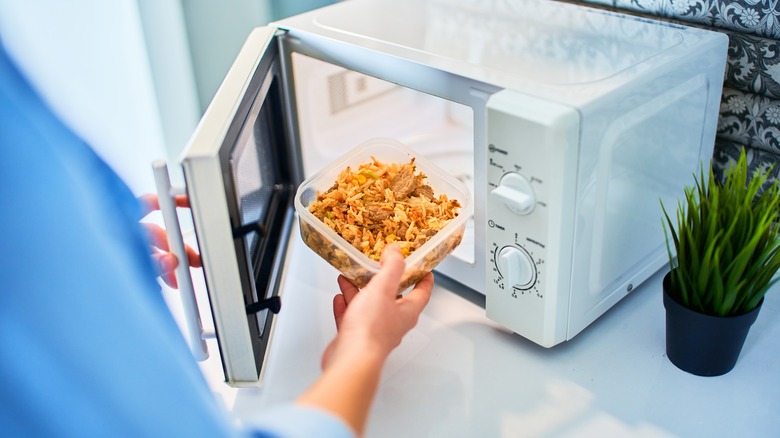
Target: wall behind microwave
x,y
217,29
92,61
132,77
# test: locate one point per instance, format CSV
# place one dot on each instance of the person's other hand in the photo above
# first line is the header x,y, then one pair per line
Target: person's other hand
x,y
165,261
375,319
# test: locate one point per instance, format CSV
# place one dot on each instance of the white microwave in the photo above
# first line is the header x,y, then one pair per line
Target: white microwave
x,y
568,124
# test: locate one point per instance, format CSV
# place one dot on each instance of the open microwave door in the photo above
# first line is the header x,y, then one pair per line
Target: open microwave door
x,y
240,177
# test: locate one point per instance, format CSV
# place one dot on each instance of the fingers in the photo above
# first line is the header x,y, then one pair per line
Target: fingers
x,y
165,261
166,264
339,309
193,258
391,256
389,277
150,202
348,289
418,297
156,235
159,239
182,201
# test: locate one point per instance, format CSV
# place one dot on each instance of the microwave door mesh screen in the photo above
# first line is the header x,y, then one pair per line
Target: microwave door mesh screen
x,y
254,178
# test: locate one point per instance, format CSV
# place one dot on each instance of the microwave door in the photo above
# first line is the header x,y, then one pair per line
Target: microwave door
x,y
240,179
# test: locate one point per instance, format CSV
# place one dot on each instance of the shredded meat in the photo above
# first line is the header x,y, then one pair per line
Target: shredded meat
x,y
424,190
403,183
378,214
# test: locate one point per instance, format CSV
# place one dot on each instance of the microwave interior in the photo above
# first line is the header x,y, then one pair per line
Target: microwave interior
x,y
338,109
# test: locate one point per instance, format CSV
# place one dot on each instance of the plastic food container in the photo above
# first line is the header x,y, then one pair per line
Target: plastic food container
x,y
352,263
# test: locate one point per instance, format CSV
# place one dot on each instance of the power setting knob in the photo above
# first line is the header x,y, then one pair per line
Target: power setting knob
x,y
516,266
515,191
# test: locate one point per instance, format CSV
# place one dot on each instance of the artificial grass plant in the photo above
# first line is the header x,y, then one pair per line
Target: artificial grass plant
x,y
726,242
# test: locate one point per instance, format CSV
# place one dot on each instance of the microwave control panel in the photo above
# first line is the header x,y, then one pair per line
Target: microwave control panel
x,y
525,178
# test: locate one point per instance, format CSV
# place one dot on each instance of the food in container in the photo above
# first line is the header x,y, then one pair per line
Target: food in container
x,y
382,193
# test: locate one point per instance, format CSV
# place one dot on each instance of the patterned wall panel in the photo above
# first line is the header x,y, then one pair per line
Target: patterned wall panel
x,y
727,152
750,119
753,61
758,17
753,65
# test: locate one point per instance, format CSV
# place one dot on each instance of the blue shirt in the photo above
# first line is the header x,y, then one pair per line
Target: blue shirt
x,y
87,344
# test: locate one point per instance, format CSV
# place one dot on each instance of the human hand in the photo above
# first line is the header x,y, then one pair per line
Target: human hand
x,y
370,323
374,320
165,261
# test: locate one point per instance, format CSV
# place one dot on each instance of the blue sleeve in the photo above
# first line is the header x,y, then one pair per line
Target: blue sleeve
x,y
87,344
88,347
300,422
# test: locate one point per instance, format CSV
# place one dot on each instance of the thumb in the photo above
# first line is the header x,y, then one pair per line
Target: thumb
x,y
389,276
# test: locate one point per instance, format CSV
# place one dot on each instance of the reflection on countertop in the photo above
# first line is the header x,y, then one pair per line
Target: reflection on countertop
x,y
458,374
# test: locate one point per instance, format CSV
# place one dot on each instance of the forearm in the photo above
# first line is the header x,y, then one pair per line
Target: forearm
x,y
370,323
347,387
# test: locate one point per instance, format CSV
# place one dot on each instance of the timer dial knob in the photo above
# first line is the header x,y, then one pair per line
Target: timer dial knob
x,y
516,266
515,191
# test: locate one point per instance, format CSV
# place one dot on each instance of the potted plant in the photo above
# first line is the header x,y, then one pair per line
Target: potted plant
x,y
726,253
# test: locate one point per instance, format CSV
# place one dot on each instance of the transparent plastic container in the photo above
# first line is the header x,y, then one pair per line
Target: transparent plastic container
x,y
352,263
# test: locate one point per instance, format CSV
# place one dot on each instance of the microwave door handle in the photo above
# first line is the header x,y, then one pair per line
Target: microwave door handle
x,y
166,194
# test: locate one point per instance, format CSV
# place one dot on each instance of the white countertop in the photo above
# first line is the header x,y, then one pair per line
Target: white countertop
x,y
458,374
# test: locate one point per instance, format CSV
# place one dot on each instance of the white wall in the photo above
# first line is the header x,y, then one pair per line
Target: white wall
x,y
216,31
89,59
132,76
172,72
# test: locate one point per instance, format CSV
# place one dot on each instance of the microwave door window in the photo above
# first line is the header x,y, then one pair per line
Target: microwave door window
x,y
262,193
253,181
254,176
254,184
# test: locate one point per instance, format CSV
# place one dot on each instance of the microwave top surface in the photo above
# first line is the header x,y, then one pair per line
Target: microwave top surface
x,y
533,41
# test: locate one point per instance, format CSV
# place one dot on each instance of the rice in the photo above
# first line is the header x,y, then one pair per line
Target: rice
x,y
379,204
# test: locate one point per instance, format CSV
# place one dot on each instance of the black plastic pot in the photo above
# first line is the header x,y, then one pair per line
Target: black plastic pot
x,y
704,345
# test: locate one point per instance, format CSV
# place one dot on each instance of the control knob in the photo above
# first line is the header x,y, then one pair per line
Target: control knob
x,y
515,191
516,266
